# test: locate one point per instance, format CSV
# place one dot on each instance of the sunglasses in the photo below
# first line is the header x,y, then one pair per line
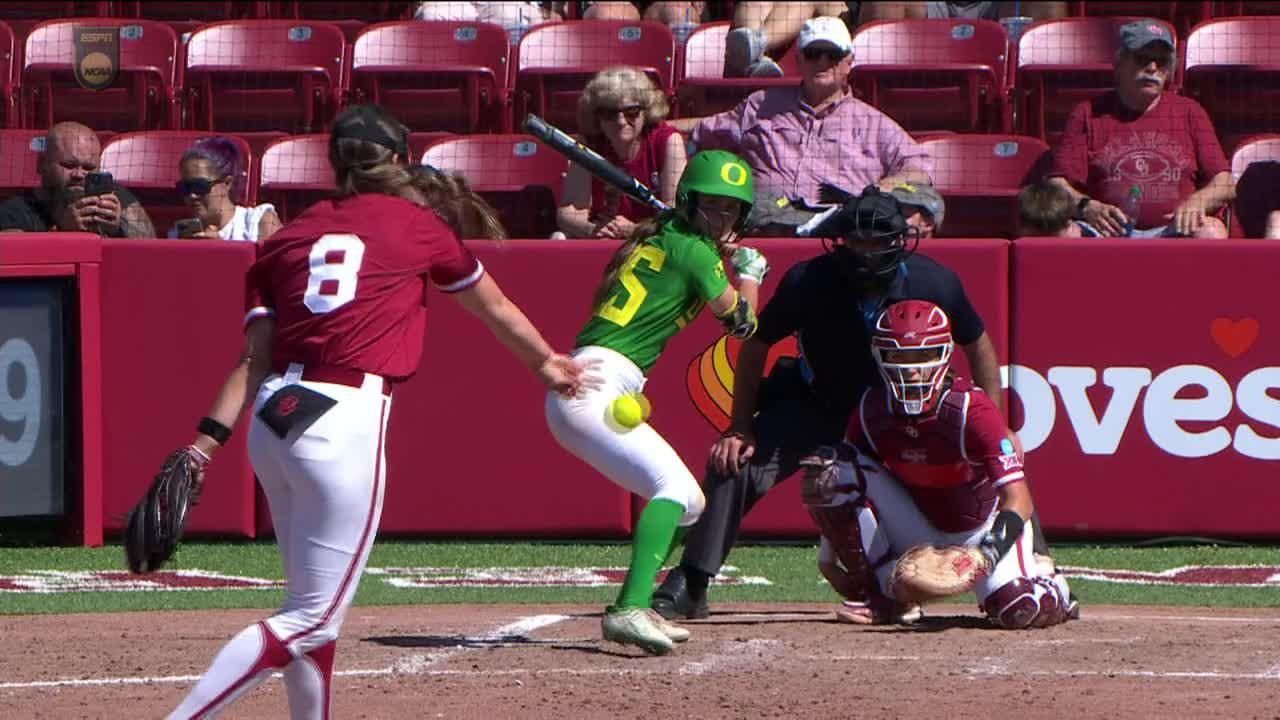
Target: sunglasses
x,y
196,186
813,54
630,112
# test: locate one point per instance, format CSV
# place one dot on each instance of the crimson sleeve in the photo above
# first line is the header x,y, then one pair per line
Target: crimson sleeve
x,y
452,267
986,441
1071,156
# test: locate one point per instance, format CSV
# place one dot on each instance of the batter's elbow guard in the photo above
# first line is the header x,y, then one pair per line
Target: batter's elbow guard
x,y
740,320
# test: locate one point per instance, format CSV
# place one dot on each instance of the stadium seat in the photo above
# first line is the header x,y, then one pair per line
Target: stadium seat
x,y
142,98
147,164
185,17
284,75
295,173
521,177
447,76
1061,63
980,176
1233,8
701,88
556,60
351,17
8,78
19,152
420,141
1256,168
1181,14
935,74
1232,68
48,10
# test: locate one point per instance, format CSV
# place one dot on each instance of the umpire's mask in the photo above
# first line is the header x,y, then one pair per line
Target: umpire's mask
x,y
870,236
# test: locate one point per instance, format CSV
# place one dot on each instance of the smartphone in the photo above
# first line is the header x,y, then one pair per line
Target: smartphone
x,y
99,183
188,227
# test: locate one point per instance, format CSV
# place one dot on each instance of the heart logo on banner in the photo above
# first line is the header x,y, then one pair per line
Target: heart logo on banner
x,y
1234,337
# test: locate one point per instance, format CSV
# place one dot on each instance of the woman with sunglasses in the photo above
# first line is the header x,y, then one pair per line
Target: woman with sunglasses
x,y
213,180
621,114
657,282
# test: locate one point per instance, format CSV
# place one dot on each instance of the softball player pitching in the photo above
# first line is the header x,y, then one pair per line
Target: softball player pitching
x,y
335,318
657,282
927,460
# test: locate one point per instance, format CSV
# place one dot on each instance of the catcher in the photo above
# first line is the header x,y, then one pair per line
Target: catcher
x,y
927,498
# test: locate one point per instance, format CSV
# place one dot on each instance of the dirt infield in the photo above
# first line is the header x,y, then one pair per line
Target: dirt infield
x,y
746,661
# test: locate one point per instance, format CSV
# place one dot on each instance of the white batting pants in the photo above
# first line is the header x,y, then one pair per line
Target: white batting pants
x,y
900,526
325,490
638,459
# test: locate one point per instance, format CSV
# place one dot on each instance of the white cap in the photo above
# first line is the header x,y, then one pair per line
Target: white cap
x,y
830,30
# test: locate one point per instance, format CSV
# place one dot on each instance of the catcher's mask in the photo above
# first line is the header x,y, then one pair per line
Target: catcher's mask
x,y
912,345
870,236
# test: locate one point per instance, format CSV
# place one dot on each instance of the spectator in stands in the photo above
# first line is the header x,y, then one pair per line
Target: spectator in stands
x,y
1137,144
814,132
762,31
1045,210
71,153
506,14
1273,225
621,113
922,207
212,185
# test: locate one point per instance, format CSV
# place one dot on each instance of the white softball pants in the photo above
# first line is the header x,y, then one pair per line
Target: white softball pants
x,y
638,459
325,489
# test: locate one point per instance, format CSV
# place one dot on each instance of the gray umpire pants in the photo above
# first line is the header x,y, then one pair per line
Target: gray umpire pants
x,y
791,423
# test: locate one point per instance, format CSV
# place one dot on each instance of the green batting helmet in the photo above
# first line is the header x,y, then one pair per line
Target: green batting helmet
x,y
716,172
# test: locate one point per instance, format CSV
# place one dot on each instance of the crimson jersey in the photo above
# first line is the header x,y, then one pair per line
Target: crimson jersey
x,y
951,462
346,283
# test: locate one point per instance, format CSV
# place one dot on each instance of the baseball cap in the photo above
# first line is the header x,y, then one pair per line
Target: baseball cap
x,y
924,197
1138,34
365,122
830,30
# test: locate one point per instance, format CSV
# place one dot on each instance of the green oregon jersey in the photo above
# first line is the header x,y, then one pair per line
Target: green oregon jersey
x,y
661,287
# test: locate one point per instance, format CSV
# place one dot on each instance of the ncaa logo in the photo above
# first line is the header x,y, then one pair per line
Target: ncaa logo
x,y
734,174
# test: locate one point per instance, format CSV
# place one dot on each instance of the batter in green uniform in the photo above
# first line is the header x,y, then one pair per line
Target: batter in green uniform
x,y
658,281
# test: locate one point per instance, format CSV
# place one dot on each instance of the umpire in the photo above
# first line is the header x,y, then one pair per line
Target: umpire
x,y
829,302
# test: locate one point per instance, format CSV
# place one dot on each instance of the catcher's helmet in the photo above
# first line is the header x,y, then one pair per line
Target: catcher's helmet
x,y
912,346
716,172
870,233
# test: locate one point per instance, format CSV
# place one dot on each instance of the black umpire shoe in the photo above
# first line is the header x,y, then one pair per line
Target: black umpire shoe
x,y
674,598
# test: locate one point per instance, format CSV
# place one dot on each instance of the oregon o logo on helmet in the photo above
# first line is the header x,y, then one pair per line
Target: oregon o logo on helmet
x,y
734,174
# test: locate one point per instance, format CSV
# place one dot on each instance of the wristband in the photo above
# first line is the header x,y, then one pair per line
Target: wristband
x,y
214,429
1004,534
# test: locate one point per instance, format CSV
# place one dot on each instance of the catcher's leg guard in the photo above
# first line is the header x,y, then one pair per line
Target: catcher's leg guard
x,y
1030,603
834,499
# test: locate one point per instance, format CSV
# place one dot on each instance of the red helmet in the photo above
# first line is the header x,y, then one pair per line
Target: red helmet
x,y
912,346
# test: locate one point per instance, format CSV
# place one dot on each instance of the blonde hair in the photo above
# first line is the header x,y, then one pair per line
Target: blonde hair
x,y
617,87
462,209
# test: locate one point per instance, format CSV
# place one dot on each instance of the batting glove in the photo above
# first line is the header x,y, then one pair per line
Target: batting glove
x,y
750,263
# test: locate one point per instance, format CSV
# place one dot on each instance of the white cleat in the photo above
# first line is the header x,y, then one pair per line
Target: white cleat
x,y
633,627
674,632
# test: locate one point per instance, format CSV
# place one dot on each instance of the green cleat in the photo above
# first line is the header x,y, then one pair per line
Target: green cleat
x,y
673,632
633,627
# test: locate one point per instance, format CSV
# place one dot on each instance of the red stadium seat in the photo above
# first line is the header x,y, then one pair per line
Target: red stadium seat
x,y
295,173
980,176
1232,68
450,76
8,78
1232,8
142,98
420,141
1061,63
1181,14
373,11
147,164
556,60
264,75
935,74
48,10
185,17
1256,168
519,176
702,89
19,153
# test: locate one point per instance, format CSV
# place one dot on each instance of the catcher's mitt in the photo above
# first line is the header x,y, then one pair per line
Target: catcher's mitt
x,y
155,523
928,572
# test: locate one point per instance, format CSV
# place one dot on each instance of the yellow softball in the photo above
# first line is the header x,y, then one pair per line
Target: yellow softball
x,y
632,409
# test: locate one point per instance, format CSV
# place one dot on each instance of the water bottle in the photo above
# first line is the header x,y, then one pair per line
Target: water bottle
x,y
1130,209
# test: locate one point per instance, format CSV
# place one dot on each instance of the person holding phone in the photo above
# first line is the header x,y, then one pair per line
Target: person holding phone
x,y
73,196
213,186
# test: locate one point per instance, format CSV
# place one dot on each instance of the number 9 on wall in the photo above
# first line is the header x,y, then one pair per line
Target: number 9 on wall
x,y
20,405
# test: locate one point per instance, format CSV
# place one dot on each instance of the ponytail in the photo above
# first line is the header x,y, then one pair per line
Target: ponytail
x,y
462,208
642,232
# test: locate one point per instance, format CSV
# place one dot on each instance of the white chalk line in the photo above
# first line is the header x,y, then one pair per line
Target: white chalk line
x,y
412,665
736,655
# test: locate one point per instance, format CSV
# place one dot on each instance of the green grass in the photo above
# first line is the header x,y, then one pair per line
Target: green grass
x,y
790,568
